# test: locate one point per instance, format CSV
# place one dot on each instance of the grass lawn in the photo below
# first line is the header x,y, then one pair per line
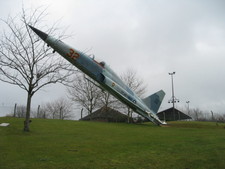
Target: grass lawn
x,y
58,144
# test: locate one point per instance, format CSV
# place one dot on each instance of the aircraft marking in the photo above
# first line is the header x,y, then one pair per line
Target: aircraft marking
x,y
72,54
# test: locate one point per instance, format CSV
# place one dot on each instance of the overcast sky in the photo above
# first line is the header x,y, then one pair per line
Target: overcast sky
x,y
153,37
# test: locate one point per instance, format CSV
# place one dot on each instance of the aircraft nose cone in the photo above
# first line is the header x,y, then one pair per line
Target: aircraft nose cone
x,y
41,34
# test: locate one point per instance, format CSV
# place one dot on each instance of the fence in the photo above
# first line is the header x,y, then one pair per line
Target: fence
x,y
54,112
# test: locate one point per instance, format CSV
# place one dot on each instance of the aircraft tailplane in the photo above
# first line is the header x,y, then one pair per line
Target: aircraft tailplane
x,y
154,101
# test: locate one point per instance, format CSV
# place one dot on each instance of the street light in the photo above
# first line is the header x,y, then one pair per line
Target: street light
x,y
173,99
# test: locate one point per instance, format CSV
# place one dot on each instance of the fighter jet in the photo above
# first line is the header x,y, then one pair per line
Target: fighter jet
x,y
106,78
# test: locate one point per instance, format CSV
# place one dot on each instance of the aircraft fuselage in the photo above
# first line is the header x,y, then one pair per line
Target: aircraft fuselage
x,y
102,74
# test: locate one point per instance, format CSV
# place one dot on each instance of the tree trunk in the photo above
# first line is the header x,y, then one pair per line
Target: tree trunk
x,y
128,115
27,120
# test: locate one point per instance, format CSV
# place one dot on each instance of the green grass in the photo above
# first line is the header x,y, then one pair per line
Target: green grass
x,y
57,144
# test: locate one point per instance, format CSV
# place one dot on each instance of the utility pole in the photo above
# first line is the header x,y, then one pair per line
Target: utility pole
x,y
188,107
60,113
173,99
212,116
14,114
38,112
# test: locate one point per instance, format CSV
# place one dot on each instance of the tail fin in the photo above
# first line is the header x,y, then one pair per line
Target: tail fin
x,y
154,101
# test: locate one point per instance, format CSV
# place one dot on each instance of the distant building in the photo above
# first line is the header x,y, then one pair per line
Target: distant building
x,y
106,114
170,115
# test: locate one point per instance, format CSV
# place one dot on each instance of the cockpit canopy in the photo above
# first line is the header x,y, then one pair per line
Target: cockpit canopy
x,y
102,63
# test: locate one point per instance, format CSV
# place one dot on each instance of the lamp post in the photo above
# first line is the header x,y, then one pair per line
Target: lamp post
x,y
173,99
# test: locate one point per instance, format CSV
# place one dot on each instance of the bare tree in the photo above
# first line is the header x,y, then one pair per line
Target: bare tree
x,y
88,95
41,113
20,111
196,114
25,61
135,83
108,100
220,118
58,109
84,92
